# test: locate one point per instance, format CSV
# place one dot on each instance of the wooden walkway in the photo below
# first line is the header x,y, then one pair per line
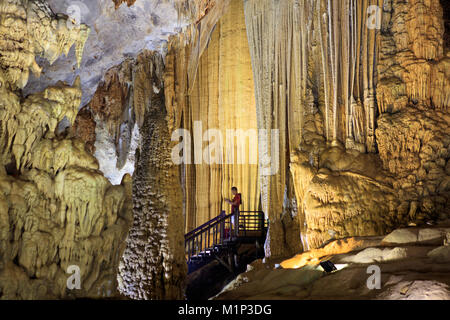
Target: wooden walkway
x,y
220,238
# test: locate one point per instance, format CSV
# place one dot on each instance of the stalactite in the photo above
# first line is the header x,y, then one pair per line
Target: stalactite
x,y
202,33
33,21
324,50
60,210
351,110
279,37
350,41
333,16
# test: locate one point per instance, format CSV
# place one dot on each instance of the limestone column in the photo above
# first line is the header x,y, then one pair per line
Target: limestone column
x,y
154,265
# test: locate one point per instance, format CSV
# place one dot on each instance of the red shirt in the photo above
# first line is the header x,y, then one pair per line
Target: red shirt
x,y
236,199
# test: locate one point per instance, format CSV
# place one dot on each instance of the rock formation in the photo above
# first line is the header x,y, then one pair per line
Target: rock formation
x,y
413,262
358,91
213,101
58,214
116,34
153,265
332,117
30,29
84,129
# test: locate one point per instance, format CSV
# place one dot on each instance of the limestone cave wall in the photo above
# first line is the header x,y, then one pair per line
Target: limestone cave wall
x,y
359,93
58,213
221,98
371,84
128,110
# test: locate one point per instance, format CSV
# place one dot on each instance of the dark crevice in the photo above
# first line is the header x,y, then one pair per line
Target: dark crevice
x,y
11,169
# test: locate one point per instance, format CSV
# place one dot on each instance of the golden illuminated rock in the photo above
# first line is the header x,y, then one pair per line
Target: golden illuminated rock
x,y
64,212
222,98
332,117
322,71
413,64
57,211
30,28
403,264
331,78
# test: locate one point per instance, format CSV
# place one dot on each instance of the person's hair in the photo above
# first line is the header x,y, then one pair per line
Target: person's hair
x,y
234,188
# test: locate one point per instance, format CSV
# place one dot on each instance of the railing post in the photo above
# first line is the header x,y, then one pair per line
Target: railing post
x,y
222,228
236,223
196,246
261,221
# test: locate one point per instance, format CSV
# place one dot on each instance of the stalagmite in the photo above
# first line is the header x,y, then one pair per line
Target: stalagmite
x,y
153,265
331,117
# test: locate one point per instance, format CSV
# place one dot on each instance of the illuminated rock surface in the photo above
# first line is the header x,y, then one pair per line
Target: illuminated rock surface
x,y
359,105
115,35
361,109
56,208
336,132
409,271
221,98
153,265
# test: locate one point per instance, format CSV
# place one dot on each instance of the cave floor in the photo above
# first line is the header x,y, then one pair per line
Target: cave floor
x,y
414,264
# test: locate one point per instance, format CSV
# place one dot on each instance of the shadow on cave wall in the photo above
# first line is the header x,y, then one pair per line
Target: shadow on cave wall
x,y
446,6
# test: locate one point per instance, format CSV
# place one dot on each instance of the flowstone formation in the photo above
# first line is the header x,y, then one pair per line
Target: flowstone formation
x,y
359,93
58,213
134,118
364,84
221,99
330,116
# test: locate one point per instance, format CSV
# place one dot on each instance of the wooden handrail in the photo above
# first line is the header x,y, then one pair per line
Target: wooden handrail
x,y
217,230
216,219
208,224
202,226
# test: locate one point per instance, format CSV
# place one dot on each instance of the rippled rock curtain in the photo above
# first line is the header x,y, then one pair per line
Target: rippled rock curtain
x,y
296,47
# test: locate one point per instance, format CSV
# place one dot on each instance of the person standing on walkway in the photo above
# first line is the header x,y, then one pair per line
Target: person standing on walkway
x,y
236,202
